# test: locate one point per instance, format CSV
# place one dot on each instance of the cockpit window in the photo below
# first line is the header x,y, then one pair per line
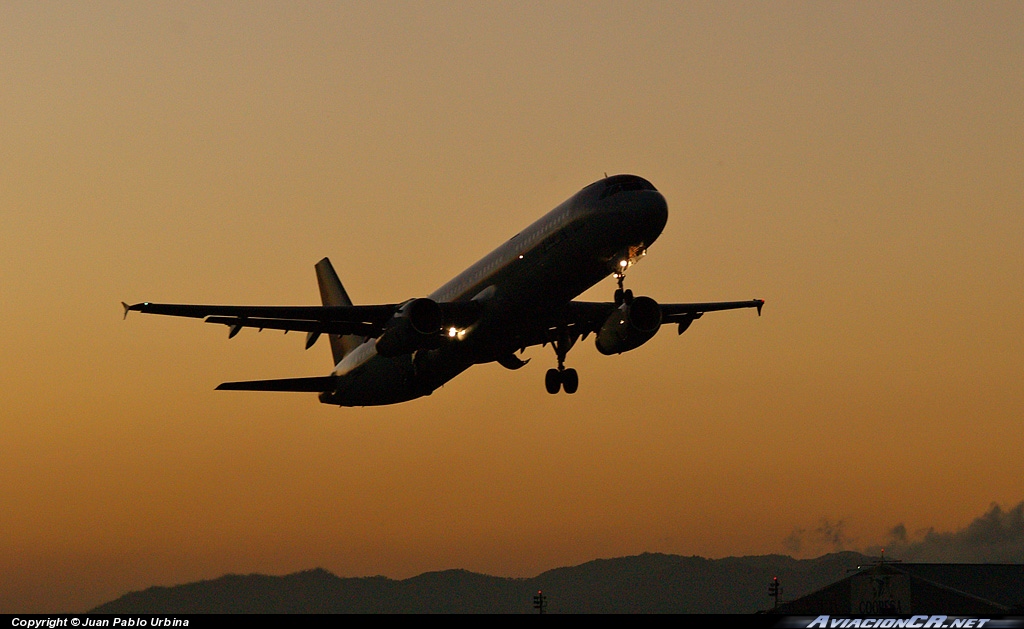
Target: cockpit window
x,y
620,183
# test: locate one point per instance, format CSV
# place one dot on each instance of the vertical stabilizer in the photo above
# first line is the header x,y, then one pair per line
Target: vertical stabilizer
x,y
332,293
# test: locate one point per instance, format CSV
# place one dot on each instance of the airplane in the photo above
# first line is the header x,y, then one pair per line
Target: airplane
x,y
519,295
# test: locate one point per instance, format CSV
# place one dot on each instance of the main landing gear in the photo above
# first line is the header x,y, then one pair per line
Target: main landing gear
x,y
562,378
568,379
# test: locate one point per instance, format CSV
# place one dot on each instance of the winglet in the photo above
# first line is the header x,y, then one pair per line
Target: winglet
x,y
760,304
126,309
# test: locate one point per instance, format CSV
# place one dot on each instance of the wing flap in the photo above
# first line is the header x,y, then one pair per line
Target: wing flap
x,y
298,325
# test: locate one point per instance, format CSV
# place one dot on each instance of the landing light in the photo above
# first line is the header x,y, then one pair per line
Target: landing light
x,y
623,263
452,332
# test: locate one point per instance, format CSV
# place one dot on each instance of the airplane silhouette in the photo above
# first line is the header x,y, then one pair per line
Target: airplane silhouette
x,y
520,295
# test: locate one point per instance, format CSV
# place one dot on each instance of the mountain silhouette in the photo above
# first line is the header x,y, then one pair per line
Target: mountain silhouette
x,y
647,583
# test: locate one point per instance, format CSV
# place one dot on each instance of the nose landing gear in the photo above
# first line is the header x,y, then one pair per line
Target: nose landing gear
x,y
622,296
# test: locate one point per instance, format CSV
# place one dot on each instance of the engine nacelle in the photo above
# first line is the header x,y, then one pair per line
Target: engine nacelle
x,y
629,326
416,326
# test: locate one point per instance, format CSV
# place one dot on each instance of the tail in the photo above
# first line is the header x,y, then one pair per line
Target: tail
x,y
332,293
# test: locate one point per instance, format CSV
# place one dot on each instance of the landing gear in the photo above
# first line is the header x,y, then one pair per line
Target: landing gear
x,y
622,296
553,381
566,379
570,381
562,378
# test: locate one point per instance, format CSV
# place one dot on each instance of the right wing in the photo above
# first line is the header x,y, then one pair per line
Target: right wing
x,y
588,316
581,318
680,313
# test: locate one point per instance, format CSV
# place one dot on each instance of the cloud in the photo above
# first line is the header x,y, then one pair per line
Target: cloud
x,y
995,537
794,542
833,534
828,536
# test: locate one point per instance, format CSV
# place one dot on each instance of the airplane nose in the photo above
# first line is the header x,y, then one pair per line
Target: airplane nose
x,y
649,215
634,205
656,209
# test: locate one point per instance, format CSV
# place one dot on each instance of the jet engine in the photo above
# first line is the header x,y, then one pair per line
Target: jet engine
x,y
416,326
629,326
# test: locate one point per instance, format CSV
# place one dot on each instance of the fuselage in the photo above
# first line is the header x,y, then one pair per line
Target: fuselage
x,y
522,286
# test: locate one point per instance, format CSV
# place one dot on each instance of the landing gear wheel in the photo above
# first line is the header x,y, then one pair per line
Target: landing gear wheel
x,y
619,297
553,381
570,381
627,297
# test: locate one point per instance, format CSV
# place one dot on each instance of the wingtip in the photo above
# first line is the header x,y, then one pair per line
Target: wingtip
x,y
126,309
760,304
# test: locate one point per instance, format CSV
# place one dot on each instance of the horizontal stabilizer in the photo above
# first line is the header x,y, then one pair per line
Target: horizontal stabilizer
x,y
317,384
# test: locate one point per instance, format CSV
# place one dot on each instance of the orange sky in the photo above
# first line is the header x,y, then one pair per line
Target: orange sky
x,y
858,165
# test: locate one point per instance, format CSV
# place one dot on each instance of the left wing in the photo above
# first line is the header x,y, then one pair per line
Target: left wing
x,y
370,321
